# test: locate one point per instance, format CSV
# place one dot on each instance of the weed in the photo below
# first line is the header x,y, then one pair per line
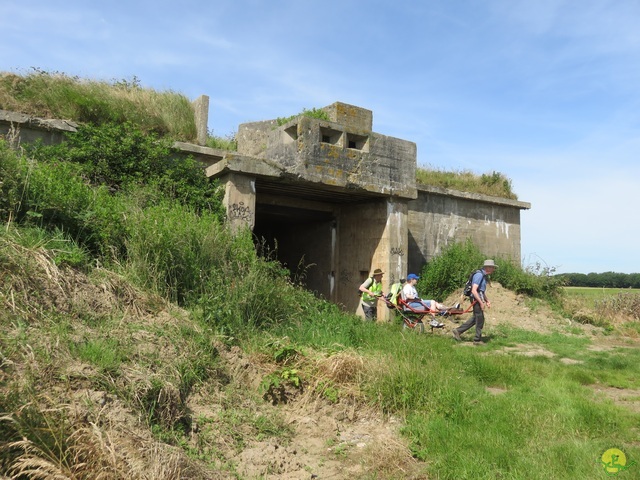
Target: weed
x,y
495,184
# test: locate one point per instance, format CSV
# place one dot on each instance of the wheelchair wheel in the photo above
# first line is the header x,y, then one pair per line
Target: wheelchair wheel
x,y
417,328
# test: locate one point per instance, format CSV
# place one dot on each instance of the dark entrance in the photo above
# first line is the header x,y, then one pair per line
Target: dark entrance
x,y
303,240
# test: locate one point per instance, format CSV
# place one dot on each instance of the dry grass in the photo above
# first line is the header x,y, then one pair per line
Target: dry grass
x,y
57,95
494,184
82,449
390,460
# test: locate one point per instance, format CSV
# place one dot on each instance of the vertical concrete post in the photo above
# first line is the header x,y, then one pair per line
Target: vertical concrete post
x,y
391,252
240,200
201,112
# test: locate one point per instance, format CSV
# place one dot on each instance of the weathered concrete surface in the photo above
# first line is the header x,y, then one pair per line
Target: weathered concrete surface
x,y
201,114
240,200
330,153
440,216
22,128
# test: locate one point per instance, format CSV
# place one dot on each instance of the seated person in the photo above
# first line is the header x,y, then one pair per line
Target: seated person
x,y
410,297
395,289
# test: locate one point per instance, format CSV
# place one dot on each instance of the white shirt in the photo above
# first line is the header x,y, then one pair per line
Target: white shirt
x,y
409,292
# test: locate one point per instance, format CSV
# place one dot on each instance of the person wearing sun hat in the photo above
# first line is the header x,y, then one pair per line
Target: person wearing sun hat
x,y
371,290
479,294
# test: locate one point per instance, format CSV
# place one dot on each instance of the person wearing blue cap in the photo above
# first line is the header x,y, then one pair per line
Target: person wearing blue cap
x,y
411,298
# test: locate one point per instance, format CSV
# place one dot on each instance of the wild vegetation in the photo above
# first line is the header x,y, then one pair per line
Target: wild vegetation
x,y
140,339
495,184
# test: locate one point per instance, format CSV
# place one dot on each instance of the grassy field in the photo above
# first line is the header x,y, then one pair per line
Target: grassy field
x,y
489,413
592,295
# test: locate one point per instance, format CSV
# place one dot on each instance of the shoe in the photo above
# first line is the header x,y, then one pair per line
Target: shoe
x,y
456,335
457,306
436,324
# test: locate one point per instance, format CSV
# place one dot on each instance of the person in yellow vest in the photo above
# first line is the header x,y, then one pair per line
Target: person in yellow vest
x,y
395,289
371,290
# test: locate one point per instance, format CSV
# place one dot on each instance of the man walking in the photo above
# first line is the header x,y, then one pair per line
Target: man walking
x,y
479,294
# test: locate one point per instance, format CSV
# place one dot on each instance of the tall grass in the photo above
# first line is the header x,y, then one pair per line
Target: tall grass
x,y
545,421
494,184
57,95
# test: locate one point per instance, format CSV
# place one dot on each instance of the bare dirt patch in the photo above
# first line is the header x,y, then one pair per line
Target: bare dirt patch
x,y
625,397
327,440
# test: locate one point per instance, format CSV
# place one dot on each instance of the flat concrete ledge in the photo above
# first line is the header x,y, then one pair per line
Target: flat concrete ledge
x,y
37,123
200,150
476,197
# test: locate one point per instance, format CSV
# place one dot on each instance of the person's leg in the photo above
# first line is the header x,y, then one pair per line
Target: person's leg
x,y
469,323
370,313
437,307
479,316
418,306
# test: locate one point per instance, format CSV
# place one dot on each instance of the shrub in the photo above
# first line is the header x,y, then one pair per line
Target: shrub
x,y
13,173
536,281
121,156
450,270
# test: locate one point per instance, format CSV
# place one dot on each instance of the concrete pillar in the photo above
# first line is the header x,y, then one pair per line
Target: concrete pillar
x,y
240,200
201,112
391,252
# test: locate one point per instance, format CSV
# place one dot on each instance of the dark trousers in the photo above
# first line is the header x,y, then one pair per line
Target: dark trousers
x,y
370,313
476,319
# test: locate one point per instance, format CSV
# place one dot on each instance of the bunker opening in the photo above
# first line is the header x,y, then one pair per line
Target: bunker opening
x,y
302,240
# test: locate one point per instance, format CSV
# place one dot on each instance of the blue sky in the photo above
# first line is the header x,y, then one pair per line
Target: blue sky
x,y
546,92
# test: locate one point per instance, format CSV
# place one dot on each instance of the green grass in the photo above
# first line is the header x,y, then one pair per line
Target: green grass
x,y
544,422
547,423
591,295
494,184
57,95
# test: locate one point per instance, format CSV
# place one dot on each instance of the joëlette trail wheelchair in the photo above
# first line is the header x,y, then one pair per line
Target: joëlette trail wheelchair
x,y
413,319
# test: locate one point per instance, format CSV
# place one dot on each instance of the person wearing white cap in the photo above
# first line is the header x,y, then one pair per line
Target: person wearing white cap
x,y
479,294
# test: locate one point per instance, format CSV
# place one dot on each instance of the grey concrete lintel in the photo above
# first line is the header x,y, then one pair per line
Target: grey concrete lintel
x,y
477,197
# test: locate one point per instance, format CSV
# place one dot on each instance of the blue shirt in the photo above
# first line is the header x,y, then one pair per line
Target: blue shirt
x,y
480,279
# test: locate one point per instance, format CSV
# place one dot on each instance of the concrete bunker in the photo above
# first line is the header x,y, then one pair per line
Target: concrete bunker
x,y
338,199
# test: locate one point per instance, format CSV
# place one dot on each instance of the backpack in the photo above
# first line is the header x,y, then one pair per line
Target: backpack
x,y
359,292
469,285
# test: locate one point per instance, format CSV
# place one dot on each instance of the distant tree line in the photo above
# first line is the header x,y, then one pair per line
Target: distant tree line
x,y
606,279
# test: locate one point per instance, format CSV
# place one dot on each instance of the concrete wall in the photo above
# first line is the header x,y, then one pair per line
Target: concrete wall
x,y
371,235
330,153
240,200
439,216
21,128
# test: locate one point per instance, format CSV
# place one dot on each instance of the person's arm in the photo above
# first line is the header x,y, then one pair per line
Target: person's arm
x,y
410,293
484,302
365,287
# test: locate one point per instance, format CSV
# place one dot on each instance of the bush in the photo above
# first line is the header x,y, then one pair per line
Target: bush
x,y
13,174
121,157
450,270
535,281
